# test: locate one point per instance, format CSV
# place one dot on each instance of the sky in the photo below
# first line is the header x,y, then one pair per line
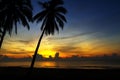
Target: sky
x,y
92,29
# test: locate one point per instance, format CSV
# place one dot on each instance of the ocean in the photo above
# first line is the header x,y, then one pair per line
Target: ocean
x,y
66,64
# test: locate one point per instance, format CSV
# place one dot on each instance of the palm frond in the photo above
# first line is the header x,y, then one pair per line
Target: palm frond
x,y
43,24
62,17
56,26
60,22
23,20
61,10
40,16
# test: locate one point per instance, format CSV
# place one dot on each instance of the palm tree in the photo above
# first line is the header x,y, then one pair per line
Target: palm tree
x,y
12,12
52,18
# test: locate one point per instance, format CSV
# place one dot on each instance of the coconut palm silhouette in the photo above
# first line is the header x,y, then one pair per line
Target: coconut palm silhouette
x,y
12,12
52,17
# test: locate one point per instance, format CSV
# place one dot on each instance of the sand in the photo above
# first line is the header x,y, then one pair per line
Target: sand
x,y
21,73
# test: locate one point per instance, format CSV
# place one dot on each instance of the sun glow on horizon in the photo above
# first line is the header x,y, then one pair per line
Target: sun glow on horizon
x,y
47,53
67,46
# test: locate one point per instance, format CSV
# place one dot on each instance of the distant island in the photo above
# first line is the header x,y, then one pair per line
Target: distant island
x,y
110,58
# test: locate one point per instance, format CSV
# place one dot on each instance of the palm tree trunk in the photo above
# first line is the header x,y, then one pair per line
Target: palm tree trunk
x,y
35,53
2,37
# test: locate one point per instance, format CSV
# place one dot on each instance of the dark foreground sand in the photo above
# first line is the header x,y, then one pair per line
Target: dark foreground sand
x,y
19,73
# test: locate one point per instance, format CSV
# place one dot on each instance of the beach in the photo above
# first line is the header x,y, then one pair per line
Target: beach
x,y
22,73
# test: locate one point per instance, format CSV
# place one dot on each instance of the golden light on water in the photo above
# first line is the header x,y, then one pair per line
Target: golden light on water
x,y
47,64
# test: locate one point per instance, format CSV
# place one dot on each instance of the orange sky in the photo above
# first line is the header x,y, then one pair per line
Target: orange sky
x,y
83,45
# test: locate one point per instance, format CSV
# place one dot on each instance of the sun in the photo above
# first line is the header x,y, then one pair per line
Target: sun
x,y
47,53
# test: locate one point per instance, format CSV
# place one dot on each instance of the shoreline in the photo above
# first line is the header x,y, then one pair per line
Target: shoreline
x,y
19,73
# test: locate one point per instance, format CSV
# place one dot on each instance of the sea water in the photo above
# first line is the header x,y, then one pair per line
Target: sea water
x,y
66,64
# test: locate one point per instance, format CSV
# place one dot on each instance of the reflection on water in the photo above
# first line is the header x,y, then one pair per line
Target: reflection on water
x,y
45,64
66,64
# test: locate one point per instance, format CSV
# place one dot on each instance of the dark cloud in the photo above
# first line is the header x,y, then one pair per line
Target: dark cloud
x,y
21,52
24,41
3,49
69,49
20,49
15,51
20,41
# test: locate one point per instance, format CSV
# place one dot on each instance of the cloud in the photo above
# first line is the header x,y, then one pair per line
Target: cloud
x,y
19,48
17,44
21,52
15,51
68,49
22,41
70,37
